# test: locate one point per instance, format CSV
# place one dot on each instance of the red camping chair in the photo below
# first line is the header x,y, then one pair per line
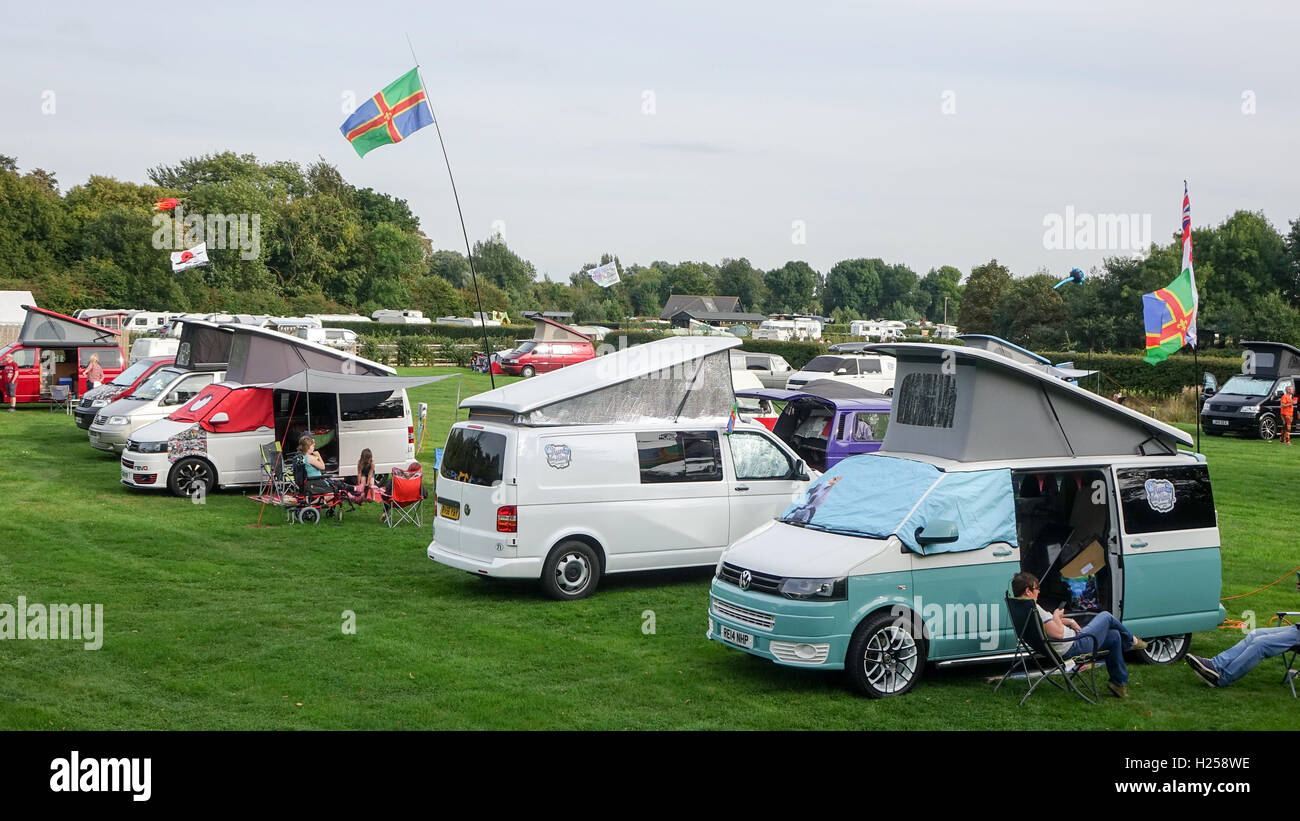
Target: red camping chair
x,y
405,502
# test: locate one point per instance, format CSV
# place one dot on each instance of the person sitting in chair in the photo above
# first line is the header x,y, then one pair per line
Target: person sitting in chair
x,y
317,482
1241,658
1107,632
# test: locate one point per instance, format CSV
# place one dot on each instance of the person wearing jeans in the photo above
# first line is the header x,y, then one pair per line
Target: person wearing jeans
x,y
1105,631
1241,658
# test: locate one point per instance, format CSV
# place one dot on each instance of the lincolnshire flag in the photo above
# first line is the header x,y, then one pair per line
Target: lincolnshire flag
x,y
1170,313
390,116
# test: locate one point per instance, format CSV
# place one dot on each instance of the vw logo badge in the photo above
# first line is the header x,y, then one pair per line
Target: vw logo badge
x,y
745,579
466,510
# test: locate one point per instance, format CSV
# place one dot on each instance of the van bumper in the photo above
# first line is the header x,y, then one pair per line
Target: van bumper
x,y
526,568
803,633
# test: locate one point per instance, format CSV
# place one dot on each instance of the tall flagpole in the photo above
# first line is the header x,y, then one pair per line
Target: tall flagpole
x,y
469,253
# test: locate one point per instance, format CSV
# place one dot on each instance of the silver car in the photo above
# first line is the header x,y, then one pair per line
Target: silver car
x,y
163,392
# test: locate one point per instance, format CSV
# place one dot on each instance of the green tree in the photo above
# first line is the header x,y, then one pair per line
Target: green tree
x,y
985,290
854,285
792,288
943,290
736,277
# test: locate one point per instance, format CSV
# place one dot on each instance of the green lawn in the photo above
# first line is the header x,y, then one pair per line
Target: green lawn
x,y
212,622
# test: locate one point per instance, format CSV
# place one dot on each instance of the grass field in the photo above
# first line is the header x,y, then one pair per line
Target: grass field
x,y
212,622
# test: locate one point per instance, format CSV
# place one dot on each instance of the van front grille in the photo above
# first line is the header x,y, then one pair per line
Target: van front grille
x,y
761,582
763,621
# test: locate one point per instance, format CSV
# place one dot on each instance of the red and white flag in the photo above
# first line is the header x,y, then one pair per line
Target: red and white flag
x,y
193,258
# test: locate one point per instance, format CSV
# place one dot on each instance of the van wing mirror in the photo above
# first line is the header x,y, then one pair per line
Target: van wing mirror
x,y
219,418
940,531
1210,383
801,471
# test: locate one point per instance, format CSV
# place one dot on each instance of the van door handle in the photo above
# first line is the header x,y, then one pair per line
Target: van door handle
x,y
742,487
1137,544
1006,552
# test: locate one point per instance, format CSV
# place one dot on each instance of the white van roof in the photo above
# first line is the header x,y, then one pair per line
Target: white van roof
x,y
604,372
990,407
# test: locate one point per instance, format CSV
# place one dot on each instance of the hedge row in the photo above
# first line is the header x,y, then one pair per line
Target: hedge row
x,y
383,329
1133,374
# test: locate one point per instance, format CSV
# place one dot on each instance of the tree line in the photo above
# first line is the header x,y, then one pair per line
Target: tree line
x,y
326,246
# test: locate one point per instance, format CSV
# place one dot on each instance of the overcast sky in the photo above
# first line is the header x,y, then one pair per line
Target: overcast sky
x,y
923,133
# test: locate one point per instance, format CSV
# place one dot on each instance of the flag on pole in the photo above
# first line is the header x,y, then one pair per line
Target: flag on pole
x,y
392,115
193,258
1170,312
606,275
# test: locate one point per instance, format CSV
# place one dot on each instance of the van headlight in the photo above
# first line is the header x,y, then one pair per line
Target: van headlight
x,y
151,447
1251,409
117,420
99,403
813,588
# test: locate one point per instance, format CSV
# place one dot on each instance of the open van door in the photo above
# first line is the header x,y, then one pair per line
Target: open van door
x,y
1170,550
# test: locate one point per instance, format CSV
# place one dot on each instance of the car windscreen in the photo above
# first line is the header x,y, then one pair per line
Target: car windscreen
x,y
525,347
1248,386
126,377
156,384
474,456
825,364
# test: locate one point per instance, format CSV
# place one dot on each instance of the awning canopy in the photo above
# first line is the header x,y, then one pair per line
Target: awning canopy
x,y
330,382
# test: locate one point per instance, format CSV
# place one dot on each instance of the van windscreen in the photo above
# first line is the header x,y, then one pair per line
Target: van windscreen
x,y
474,456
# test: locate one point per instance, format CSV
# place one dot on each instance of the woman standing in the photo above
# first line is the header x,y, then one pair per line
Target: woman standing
x,y
94,372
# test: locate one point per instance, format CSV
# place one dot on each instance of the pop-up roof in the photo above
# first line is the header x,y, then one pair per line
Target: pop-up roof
x,y
258,355
548,330
1271,359
203,346
670,379
47,329
971,405
1010,350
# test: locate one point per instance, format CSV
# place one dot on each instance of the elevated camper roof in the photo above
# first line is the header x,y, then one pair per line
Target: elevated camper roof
x,y
259,355
548,330
971,405
47,329
681,377
1010,350
1274,359
203,345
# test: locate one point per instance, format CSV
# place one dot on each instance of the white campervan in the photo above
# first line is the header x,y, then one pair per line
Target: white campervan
x,y
619,463
873,372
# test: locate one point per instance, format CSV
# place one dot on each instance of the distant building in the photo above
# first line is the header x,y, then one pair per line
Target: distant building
x,y
718,319
700,304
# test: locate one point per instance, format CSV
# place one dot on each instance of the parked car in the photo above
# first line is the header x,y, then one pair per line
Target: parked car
x,y
533,357
92,400
901,558
341,338
870,372
159,395
148,347
771,369
1250,403
827,421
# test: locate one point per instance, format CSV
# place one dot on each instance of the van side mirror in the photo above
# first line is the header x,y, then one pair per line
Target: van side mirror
x,y
801,471
1210,383
841,371
940,531
219,418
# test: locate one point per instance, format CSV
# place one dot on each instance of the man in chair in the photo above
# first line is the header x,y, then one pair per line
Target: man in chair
x,y
1241,658
1108,632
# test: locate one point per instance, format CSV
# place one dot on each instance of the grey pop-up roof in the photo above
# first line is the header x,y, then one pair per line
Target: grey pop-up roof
x,y
669,379
998,345
1272,359
258,355
203,346
971,405
47,329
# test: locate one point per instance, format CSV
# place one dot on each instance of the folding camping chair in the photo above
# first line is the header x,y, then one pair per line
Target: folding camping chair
x,y
61,397
405,502
277,477
1289,673
1033,644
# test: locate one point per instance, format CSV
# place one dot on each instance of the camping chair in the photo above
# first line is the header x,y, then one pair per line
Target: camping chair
x,y
61,397
1289,673
314,496
277,477
405,502
1033,644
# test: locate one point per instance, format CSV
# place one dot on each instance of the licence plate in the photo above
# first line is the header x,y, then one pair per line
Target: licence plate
x,y
1219,421
736,637
449,511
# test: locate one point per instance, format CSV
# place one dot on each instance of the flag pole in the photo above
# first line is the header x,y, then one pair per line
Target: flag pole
x,y
469,254
1196,367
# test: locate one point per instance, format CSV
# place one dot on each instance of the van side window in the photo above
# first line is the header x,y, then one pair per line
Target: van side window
x,y
755,457
1166,498
24,357
669,456
869,365
360,407
870,427
927,399
108,357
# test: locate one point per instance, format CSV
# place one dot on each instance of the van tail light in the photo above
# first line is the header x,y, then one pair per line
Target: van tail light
x,y
507,519
410,434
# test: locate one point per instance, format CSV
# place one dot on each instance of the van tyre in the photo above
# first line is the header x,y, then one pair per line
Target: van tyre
x,y
1267,428
527,371
571,571
1165,649
885,657
185,473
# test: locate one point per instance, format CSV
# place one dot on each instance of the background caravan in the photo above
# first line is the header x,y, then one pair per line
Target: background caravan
x,y
988,468
617,464
215,440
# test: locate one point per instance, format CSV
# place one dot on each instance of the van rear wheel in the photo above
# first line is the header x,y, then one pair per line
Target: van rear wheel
x,y
1165,649
885,658
571,571
527,371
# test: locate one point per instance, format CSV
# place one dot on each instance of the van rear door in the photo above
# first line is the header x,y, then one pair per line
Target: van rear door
x,y
1170,544
470,490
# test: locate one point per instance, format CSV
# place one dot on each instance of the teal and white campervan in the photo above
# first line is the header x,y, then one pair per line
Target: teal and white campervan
x,y
901,558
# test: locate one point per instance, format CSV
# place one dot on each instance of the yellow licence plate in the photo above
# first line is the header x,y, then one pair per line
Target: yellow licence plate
x,y
449,511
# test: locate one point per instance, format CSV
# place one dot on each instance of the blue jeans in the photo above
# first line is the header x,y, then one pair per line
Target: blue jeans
x,y
1110,635
1241,658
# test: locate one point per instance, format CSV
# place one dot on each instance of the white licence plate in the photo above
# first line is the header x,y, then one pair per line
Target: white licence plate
x,y
736,637
1219,421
